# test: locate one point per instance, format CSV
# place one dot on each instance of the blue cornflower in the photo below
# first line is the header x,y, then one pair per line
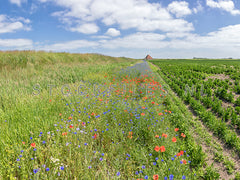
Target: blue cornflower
x,y
62,168
183,177
136,173
118,173
35,171
101,159
146,177
143,167
47,169
44,142
154,163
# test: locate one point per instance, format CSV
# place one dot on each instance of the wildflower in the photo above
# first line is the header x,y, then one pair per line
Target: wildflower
x,y
33,145
142,114
35,171
118,173
157,148
164,135
64,133
146,177
95,136
183,177
184,161
174,139
47,169
162,148
155,177
157,136
183,135
71,126
23,142
62,168
176,129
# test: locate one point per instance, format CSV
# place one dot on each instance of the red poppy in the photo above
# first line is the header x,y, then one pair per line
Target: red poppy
x,y
174,139
157,136
142,114
70,117
60,114
155,177
162,148
50,100
71,126
95,136
23,142
184,161
176,129
157,148
160,114
64,133
164,135
33,145
183,135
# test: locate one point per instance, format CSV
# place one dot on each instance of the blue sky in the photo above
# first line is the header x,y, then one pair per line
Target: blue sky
x,y
131,28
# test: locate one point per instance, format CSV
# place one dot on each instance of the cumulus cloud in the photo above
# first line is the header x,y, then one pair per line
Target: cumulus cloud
x,y
88,28
226,5
198,8
179,8
16,43
138,14
9,25
69,45
113,32
137,40
17,2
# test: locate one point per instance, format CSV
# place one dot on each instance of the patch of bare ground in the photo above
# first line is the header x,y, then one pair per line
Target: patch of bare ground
x,y
219,76
210,150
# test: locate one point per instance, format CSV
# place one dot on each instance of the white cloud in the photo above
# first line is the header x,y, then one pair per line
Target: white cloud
x,y
198,8
113,32
9,25
226,5
137,40
16,43
17,2
179,8
138,14
88,28
69,45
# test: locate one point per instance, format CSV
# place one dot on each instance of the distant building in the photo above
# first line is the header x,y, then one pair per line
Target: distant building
x,y
148,57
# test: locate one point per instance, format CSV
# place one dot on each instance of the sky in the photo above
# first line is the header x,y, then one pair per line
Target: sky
x,y
129,28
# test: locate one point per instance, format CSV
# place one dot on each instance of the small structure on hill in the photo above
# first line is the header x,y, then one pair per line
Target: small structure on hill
x,y
148,57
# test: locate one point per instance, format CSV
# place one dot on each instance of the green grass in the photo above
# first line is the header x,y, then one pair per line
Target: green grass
x,y
95,123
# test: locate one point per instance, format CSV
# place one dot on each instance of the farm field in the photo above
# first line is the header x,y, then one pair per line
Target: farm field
x,y
89,116
210,90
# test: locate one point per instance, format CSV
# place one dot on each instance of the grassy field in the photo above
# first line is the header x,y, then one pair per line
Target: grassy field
x,y
89,116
